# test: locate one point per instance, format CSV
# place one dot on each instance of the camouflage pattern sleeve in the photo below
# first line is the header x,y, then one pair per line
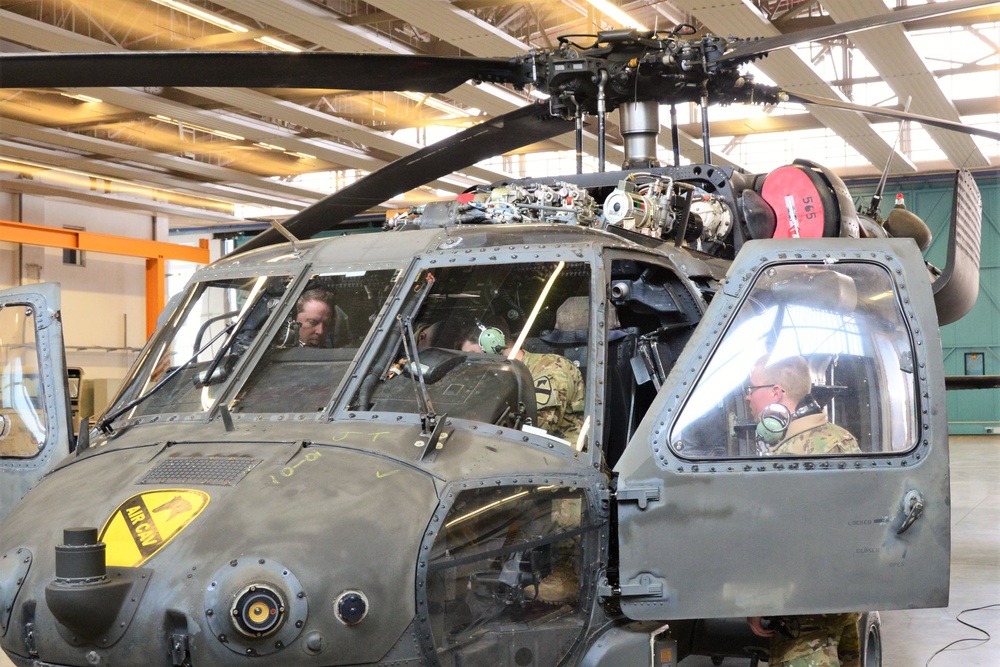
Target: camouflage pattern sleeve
x,y
826,439
818,640
559,394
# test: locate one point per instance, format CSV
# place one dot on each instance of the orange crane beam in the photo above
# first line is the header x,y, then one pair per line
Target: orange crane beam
x,y
156,254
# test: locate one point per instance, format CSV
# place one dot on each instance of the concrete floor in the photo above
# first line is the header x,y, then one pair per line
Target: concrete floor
x,y
910,638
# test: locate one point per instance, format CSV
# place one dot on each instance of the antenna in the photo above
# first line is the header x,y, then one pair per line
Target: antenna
x,y
287,234
872,211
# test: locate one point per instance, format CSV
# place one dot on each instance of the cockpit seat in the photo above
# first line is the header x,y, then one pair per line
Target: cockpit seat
x,y
570,338
571,333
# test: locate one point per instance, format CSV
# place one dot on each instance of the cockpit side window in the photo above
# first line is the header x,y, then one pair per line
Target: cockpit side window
x,y
22,406
818,361
510,559
503,344
319,338
187,365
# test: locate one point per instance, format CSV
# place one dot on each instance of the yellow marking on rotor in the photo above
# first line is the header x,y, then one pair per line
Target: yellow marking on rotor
x,y
146,522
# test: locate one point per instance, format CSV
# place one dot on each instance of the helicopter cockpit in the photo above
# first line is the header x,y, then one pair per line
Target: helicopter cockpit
x,y
187,368
507,310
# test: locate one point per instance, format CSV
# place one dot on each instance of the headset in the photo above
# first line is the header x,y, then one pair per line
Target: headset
x,y
491,339
775,418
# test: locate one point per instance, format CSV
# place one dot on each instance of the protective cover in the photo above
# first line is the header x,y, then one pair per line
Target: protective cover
x,y
957,287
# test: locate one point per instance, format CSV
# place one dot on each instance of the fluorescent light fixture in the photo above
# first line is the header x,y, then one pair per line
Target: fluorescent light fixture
x,y
206,130
614,13
206,16
435,103
82,98
225,24
278,44
85,181
273,147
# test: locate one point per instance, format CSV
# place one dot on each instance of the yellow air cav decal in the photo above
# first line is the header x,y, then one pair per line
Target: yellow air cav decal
x,y
146,522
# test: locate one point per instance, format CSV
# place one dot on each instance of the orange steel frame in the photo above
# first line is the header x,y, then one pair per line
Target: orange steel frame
x,y
156,254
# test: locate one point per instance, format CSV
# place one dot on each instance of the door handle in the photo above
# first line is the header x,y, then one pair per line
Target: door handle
x,y
913,505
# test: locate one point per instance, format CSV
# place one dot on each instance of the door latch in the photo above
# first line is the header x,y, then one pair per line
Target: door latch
x,y
913,506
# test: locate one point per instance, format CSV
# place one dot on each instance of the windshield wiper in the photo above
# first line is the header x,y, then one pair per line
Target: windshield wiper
x,y
431,425
380,369
105,423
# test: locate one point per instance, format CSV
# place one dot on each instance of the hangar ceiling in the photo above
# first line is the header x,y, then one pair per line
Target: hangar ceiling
x,y
215,156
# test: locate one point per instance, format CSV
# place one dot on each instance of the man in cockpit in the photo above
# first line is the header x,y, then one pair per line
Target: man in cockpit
x,y
559,387
790,422
315,313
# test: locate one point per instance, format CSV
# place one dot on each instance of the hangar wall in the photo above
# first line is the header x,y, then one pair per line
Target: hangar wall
x,y
978,333
103,298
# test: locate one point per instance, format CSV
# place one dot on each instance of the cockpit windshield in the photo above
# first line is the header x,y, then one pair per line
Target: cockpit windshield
x,y
306,352
322,332
504,344
188,364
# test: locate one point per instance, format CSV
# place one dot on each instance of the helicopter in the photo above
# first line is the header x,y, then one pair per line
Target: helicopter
x,y
390,497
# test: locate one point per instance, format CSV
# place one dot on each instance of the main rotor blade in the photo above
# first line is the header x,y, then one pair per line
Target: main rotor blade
x,y
521,127
254,69
751,49
802,98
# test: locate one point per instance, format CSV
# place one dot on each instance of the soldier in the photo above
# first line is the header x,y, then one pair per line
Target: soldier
x,y
790,422
314,311
559,388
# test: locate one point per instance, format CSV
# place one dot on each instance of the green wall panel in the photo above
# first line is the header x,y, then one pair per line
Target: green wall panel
x,y
969,411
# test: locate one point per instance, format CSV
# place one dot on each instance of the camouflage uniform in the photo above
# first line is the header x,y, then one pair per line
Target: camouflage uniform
x,y
813,434
819,640
559,393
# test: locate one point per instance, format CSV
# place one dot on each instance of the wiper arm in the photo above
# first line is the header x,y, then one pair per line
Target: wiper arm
x,y
105,423
431,425
427,415
389,353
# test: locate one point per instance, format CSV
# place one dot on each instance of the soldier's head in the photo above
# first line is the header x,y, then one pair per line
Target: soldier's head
x,y
786,381
488,335
428,334
314,312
